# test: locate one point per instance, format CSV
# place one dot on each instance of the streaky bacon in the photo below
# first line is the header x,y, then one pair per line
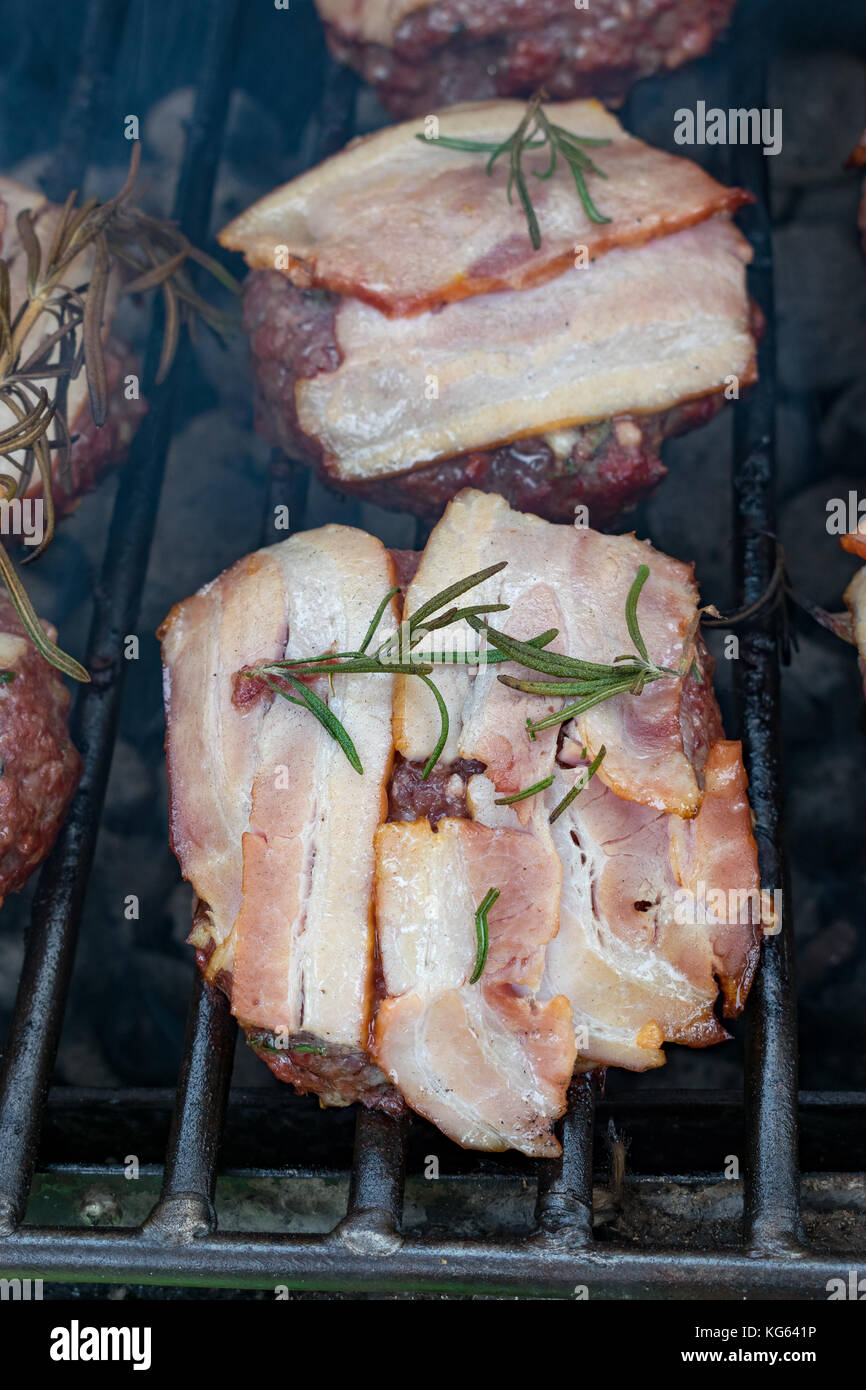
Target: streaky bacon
x,y
271,823
656,913
487,1062
212,745
637,331
577,581
407,228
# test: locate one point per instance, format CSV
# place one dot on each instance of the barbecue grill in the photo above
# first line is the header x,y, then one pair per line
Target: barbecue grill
x,y
264,1143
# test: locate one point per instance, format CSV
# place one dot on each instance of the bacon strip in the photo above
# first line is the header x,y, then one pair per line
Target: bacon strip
x,y
575,580
638,331
211,745
487,1062
407,228
654,911
374,21
269,821
304,955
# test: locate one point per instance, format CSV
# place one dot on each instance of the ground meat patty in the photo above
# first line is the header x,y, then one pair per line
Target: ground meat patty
x,y
468,50
410,798
39,767
606,466
336,1077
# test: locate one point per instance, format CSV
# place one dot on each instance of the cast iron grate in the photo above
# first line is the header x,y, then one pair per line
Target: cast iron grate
x,y
179,1242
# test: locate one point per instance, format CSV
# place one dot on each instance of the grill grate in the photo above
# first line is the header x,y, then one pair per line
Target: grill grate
x,y
179,1242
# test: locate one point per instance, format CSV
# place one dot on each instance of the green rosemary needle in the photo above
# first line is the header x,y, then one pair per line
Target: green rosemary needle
x,y
391,658
482,933
591,682
527,792
578,786
56,329
534,132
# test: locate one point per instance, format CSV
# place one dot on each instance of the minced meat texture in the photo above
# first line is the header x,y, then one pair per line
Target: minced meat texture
x,y
442,794
470,50
39,767
610,465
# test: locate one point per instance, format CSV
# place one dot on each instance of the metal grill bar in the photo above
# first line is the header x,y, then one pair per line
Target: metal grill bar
x,y
508,1268
772,1171
376,1187
185,1207
186,1203
103,28
564,1202
41,998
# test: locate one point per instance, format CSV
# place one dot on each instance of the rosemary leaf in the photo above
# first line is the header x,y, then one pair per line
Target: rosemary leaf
x,y
533,132
377,618
94,306
320,710
527,792
482,933
634,594
528,654
5,296
32,249
554,689
213,267
456,615
171,333
35,631
494,657
445,724
578,786
150,279
306,668
562,716
43,461
454,591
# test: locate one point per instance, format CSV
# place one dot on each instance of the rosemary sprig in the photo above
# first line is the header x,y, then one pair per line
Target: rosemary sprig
x,y
35,631
482,933
534,132
578,786
526,793
265,1042
591,682
385,661
70,317
317,707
